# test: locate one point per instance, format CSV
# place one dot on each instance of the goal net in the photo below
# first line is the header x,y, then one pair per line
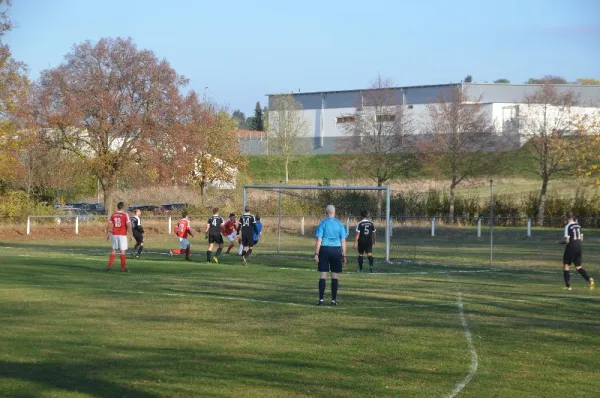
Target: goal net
x,y
290,215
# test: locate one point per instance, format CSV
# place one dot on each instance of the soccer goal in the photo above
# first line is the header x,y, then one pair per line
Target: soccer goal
x,y
291,213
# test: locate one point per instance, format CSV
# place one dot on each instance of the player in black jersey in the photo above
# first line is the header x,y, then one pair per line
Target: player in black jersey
x,y
573,251
138,233
214,227
365,240
247,229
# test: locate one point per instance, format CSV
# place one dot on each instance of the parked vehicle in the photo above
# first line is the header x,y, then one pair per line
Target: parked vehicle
x,y
91,207
70,212
146,208
175,207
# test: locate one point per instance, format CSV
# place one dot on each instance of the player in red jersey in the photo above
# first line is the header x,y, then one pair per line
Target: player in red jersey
x,y
118,226
182,230
230,229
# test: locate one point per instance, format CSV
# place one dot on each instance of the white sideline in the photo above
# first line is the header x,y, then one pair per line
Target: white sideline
x,y
474,360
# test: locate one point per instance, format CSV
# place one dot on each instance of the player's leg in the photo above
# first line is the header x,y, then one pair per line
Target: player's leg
x,y
567,276
582,272
187,250
323,268
123,248
231,239
370,258
210,248
140,248
360,260
111,258
335,262
220,247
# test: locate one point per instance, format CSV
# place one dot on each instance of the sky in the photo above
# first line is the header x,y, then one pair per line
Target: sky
x,y
236,51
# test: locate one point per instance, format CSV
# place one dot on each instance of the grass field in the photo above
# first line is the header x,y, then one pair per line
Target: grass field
x,y
174,329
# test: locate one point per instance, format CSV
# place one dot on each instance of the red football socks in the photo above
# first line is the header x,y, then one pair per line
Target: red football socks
x,y
176,251
123,262
187,253
111,260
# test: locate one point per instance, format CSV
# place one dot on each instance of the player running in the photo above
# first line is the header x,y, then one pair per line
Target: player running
x,y
247,228
573,251
117,226
213,233
365,240
182,230
230,229
138,233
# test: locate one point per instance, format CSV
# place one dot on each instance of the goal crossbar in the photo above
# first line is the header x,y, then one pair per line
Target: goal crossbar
x,y
280,187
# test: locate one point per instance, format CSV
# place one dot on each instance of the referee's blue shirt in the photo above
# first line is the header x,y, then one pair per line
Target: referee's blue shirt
x,y
331,231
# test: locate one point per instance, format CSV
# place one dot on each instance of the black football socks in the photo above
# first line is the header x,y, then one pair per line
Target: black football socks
x,y
322,284
360,262
219,250
208,255
567,276
371,261
140,250
584,274
334,289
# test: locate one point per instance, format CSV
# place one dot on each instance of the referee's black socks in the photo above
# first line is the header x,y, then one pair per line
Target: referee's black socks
x,y
567,276
322,284
584,274
334,289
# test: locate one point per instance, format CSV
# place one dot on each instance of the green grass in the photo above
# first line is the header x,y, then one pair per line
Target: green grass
x,y
171,328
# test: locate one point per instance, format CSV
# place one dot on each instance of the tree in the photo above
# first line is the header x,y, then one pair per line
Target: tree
x,y
106,102
546,120
287,129
502,81
458,135
586,155
13,91
548,79
377,133
217,158
588,81
240,118
258,120
468,79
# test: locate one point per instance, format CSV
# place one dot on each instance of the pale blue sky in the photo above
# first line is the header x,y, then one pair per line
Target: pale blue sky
x,y
242,50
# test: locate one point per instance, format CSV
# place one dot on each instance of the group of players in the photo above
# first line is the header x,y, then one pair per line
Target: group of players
x,y
247,232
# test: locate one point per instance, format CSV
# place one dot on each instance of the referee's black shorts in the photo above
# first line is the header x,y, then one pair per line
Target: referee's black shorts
x,y
330,259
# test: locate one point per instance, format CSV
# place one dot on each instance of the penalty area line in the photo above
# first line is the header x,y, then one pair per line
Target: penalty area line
x,y
474,359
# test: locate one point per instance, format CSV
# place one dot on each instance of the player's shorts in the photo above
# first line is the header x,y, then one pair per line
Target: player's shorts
x,y
247,241
330,259
119,242
184,243
231,237
215,238
138,236
573,255
365,247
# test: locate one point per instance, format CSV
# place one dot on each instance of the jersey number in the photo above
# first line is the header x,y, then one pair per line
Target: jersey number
x,y
246,222
366,232
117,222
214,223
576,234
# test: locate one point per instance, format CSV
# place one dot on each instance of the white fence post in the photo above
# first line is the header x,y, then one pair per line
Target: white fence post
x,y
301,225
348,226
479,227
28,225
169,231
77,225
529,227
391,226
432,226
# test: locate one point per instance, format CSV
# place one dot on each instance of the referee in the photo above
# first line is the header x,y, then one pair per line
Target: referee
x,y
330,252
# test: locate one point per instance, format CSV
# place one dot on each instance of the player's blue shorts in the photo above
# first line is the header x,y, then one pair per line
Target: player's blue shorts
x,y
330,259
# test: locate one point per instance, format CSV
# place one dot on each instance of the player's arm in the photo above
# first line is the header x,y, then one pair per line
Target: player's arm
x,y
374,233
344,250
317,249
356,236
108,229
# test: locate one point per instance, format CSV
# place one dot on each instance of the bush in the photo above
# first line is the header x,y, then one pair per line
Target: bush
x,y
17,205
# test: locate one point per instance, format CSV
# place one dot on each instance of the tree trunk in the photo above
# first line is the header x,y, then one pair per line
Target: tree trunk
x,y
379,199
108,190
542,201
287,171
202,191
452,198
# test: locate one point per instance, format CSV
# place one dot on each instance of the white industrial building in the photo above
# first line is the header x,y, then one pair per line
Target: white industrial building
x,y
326,112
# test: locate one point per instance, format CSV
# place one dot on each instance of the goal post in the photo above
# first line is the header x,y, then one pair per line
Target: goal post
x,y
318,201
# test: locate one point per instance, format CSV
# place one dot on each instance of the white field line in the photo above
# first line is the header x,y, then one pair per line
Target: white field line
x,y
474,360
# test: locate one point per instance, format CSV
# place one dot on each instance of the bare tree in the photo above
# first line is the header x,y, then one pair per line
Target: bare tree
x,y
378,134
546,120
458,134
105,102
287,129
